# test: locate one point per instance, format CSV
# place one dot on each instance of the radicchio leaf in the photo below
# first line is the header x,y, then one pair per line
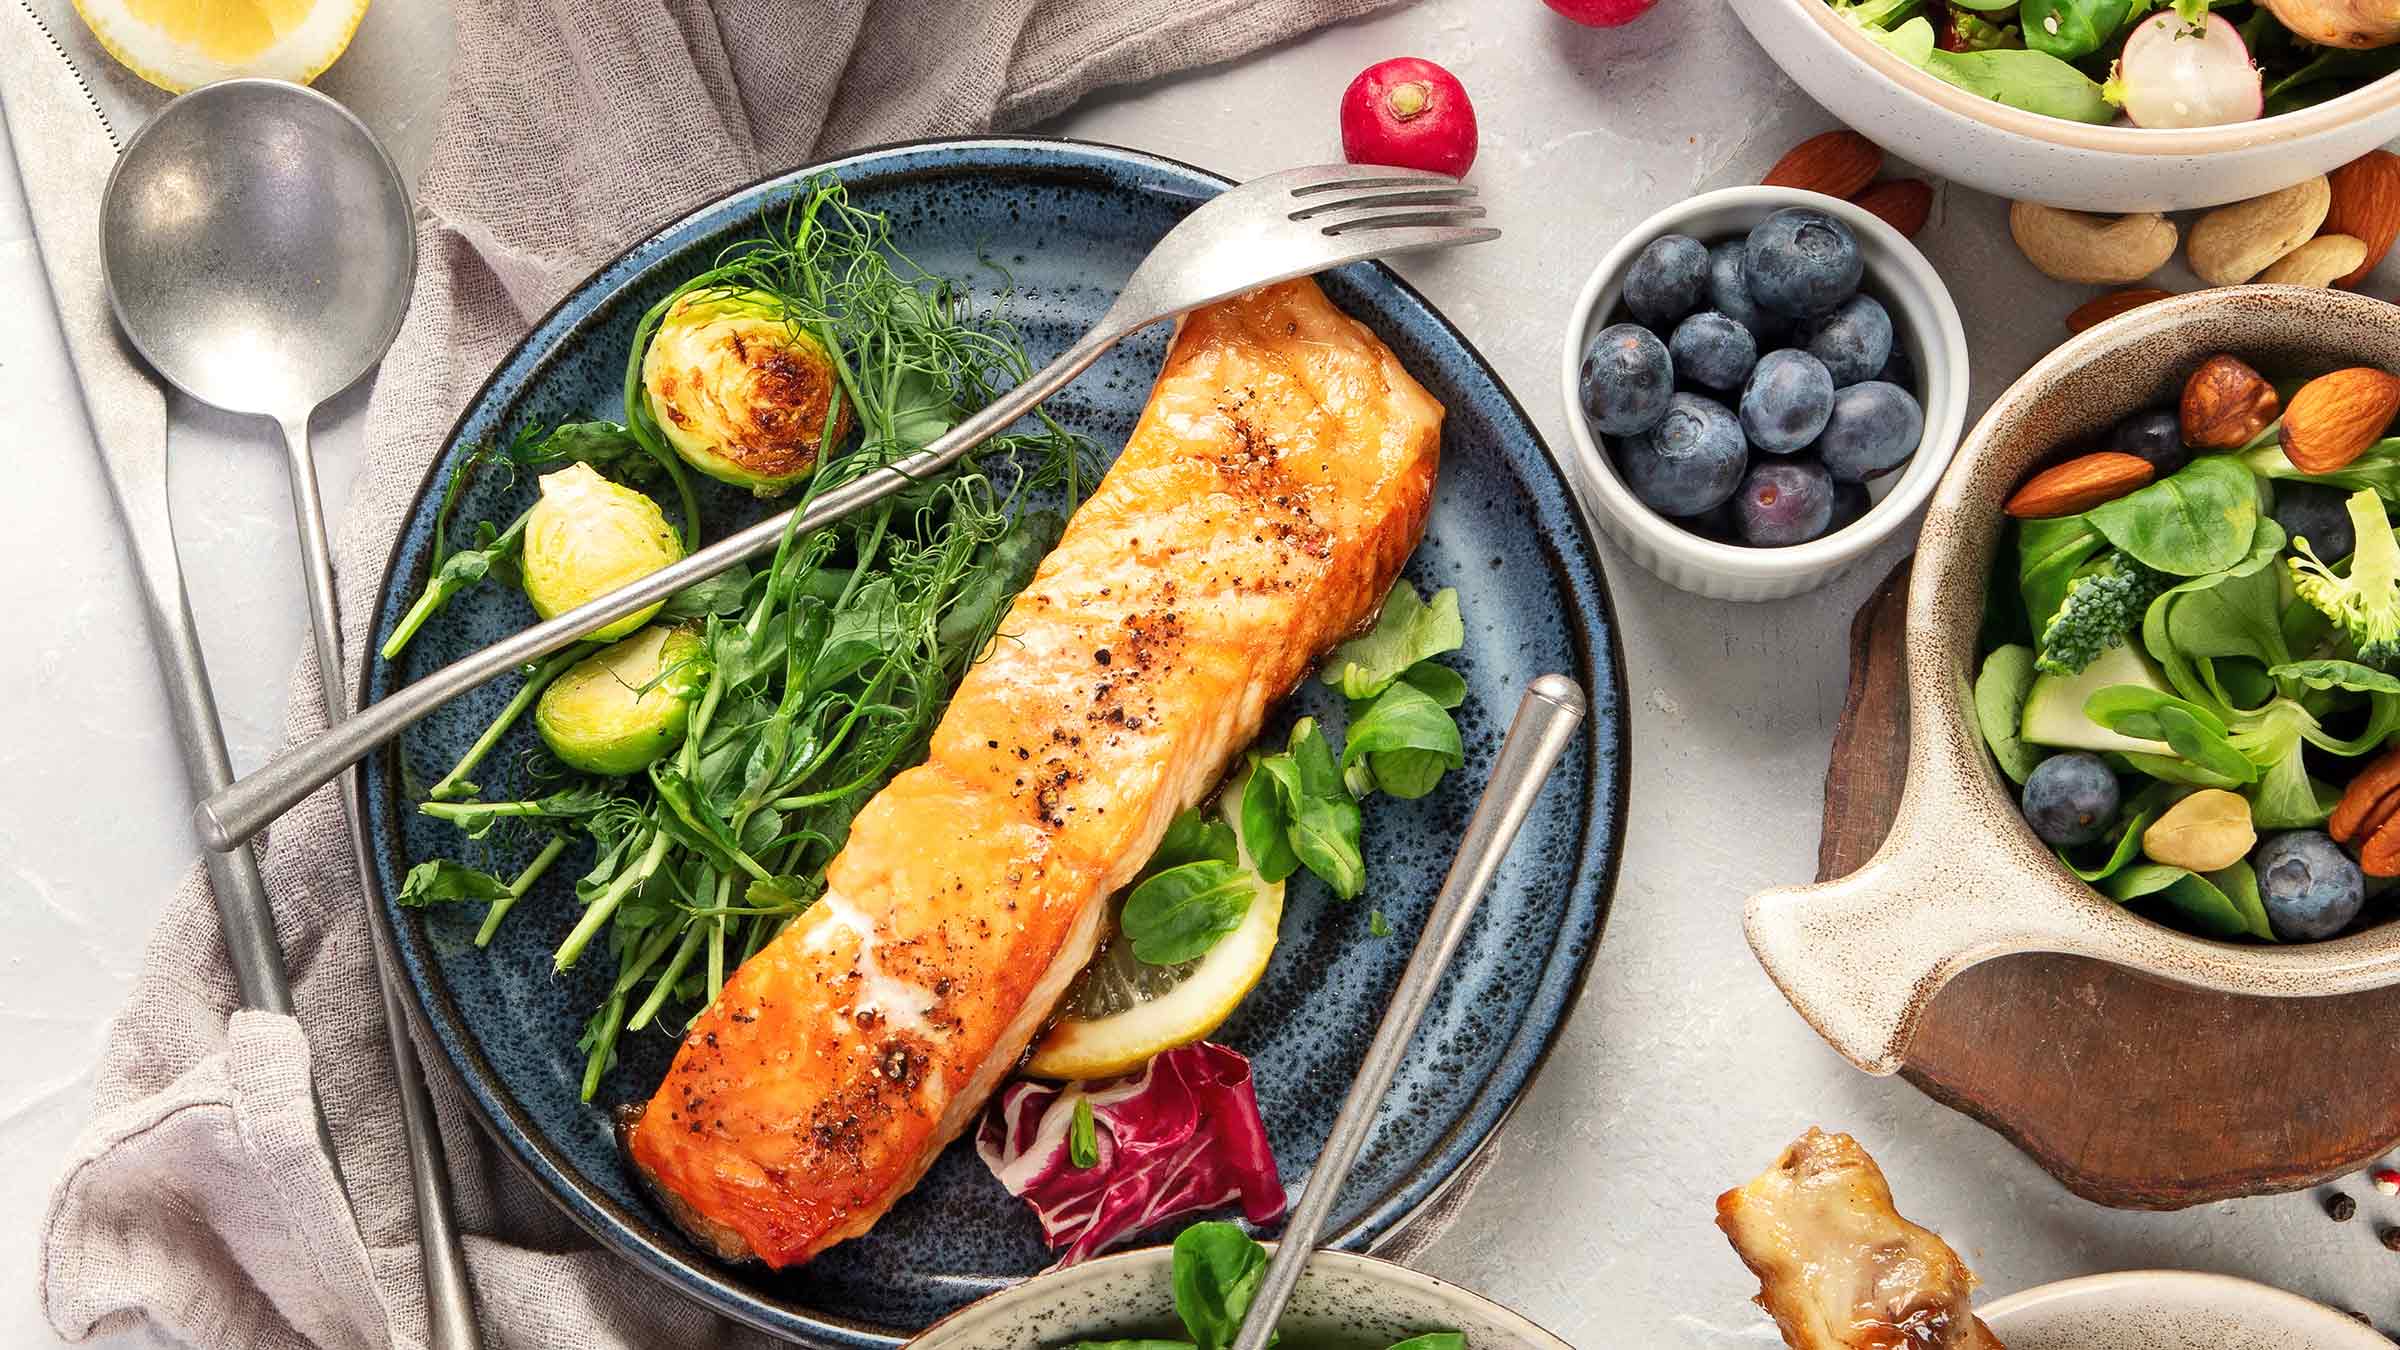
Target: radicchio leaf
x,y
1182,1136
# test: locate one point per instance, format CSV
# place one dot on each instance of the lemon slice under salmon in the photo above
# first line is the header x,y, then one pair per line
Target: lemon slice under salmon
x,y
179,44
1122,1012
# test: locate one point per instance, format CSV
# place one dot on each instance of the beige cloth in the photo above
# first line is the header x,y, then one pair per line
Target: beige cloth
x,y
198,1202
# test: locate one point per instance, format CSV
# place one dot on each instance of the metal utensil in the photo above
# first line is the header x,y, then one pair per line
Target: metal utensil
x,y
258,250
1272,229
64,151
1546,719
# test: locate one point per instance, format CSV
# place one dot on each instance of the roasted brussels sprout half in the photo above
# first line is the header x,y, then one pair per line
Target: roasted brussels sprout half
x,y
738,392
588,536
617,711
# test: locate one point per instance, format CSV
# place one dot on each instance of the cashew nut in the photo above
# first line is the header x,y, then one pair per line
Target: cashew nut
x,y
2232,244
2320,262
2095,250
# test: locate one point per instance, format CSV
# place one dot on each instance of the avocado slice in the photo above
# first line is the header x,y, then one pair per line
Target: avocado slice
x,y
2054,706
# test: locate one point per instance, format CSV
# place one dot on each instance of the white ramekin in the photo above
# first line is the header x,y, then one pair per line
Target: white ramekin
x,y
1923,319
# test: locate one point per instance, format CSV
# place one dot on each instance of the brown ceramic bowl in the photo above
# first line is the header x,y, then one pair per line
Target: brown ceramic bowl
x,y
1961,879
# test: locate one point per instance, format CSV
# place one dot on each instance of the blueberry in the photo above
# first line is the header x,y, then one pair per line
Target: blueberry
x,y
2156,436
1729,295
1875,427
2319,514
1784,501
1713,350
1627,379
2070,799
1850,505
2311,887
1802,262
1667,280
1690,462
1854,341
1786,402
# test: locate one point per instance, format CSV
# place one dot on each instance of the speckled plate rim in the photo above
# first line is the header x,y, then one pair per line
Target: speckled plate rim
x,y
1360,1265
2326,1328
634,1236
2374,98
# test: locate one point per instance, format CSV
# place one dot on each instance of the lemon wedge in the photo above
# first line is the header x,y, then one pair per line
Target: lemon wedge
x,y
178,44
1123,1012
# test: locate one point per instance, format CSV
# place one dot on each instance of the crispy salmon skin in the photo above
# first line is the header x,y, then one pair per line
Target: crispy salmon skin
x,y
1263,506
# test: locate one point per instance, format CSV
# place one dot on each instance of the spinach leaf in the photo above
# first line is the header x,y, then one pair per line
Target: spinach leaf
x,y
1434,1340
2139,811
1267,821
1325,818
1407,739
2168,769
1440,683
2000,690
1217,1270
2031,80
1182,912
2377,470
2073,29
2329,674
2208,908
2200,520
440,881
1408,630
1911,42
2239,885
1193,835
2196,733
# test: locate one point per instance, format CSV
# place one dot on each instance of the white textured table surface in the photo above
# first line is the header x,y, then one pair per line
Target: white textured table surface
x,y
1681,1072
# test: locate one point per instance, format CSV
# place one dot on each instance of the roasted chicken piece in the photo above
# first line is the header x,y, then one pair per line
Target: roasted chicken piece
x,y
1260,512
1838,1268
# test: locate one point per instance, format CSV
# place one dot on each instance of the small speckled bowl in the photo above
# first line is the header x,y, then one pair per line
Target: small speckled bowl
x,y
1961,879
1344,1302
2171,1310
1924,321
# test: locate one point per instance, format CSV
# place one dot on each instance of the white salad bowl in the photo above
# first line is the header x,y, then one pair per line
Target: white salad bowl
x,y
1344,1302
2171,1310
1924,320
1961,879
2019,154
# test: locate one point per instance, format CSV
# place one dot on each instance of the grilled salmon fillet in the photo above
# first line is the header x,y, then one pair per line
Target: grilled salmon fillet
x,y
1838,1268
1261,510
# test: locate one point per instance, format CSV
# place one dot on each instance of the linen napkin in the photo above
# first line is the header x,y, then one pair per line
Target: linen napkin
x,y
199,1202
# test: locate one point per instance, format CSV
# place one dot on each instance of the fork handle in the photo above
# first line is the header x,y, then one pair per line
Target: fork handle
x,y
1546,719
232,814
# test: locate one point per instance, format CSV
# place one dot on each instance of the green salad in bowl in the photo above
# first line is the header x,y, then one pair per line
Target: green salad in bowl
x,y
2192,63
2190,659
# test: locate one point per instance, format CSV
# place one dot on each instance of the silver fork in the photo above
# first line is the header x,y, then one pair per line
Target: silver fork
x,y
1272,229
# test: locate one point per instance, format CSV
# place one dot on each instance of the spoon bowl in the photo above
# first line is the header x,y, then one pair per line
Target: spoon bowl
x,y
257,246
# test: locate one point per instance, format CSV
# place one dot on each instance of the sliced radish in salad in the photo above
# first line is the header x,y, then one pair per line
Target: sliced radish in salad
x,y
2174,74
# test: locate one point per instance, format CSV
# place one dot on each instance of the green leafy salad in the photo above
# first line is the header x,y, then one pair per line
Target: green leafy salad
x,y
2188,63
2182,681
1217,1271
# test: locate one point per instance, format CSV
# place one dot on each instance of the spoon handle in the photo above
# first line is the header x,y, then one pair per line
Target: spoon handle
x,y
449,1307
1546,719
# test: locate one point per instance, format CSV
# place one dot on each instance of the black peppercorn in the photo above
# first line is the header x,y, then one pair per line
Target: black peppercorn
x,y
2340,1208
2391,1237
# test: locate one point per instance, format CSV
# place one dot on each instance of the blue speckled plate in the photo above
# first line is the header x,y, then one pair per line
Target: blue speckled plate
x,y
1068,222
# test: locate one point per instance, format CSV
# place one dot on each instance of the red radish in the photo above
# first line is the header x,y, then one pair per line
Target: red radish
x,y
2175,75
1410,112
1602,13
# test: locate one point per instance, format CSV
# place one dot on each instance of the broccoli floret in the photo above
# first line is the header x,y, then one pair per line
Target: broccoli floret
x,y
2105,602
2365,605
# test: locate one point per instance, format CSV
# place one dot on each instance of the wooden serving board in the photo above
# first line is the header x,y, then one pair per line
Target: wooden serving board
x,y
2135,1093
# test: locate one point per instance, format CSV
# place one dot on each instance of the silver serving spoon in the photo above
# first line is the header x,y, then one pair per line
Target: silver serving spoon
x,y
1546,719
259,250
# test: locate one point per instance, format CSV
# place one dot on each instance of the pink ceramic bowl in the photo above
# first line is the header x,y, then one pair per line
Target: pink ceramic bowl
x,y
1961,879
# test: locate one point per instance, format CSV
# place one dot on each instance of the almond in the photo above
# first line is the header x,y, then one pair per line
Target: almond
x,y
2079,485
2100,309
2334,418
2226,404
1836,163
1902,203
2366,205
2374,783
